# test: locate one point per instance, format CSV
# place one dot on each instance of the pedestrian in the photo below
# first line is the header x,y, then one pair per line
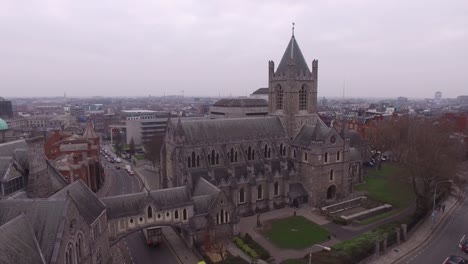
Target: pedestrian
x,y
443,207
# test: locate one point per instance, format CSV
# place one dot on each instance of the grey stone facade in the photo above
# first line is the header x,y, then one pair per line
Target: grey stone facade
x,y
287,158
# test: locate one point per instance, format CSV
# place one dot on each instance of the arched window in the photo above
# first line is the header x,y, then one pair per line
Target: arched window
x,y
303,98
259,192
331,175
221,221
217,158
294,153
325,159
226,217
184,214
231,155
235,156
241,195
217,218
265,151
150,212
279,97
176,214
250,154
79,246
189,162
198,161
212,156
282,150
193,158
69,254
276,191
338,156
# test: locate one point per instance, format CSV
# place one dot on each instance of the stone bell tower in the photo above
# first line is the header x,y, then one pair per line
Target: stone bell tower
x,y
293,89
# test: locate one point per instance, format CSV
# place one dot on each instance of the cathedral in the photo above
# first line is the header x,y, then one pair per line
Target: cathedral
x,y
288,158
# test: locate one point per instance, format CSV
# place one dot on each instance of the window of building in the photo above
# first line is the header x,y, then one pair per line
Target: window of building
x,y
303,98
276,189
259,192
79,247
193,158
176,214
267,151
150,212
250,153
69,254
294,153
184,214
241,195
331,175
338,156
325,157
279,97
98,256
221,221
305,156
282,150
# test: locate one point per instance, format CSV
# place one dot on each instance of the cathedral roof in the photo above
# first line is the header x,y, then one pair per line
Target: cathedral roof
x,y
44,215
19,244
316,131
292,54
89,132
8,148
241,102
264,90
231,129
88,204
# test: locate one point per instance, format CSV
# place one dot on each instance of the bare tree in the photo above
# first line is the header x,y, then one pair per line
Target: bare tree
x,y
153,148
219,247
428,152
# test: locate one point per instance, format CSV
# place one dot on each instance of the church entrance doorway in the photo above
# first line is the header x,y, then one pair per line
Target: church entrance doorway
x,y
295,203
331,192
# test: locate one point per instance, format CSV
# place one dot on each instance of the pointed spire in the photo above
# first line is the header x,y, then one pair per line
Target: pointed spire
x,y
89,132
293,55
293,24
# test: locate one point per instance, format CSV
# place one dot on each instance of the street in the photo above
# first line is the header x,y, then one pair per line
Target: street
x,y
445,241
138,251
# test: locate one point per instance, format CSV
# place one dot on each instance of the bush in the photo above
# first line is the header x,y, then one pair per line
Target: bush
x,y
261,251
244,247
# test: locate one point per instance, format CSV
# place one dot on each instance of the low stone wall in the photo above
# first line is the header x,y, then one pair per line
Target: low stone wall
x,y
367,213
342,206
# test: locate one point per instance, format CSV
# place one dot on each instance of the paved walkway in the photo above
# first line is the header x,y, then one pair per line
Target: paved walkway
x,y
178,247
422,234
248,224
235,251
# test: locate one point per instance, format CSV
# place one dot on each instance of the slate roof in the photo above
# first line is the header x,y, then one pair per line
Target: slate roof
x,y
354,155
202,204
44,215
18,243
241,102
292,54
232,129
134,204
312,132
88,204
262,91
8,148
204,187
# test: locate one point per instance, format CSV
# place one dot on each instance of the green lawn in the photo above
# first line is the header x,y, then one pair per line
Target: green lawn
x,y
388,186
295,232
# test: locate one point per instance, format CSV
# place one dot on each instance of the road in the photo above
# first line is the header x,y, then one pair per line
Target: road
x,y
138,252
445,241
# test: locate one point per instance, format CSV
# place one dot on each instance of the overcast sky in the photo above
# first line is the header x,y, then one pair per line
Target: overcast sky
x,y
374,48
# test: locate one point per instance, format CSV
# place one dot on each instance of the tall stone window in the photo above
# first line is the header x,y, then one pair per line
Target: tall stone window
x,y
279,97
241,195
184,214
213,158
303,98
259,192
233,155
325,157
150,212
79,247
193,158
338,156
250,153
69,254
176,214
332,175
189,162
267,151
276,189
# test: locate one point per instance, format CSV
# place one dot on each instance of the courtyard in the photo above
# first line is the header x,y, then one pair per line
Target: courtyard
x,y
295,232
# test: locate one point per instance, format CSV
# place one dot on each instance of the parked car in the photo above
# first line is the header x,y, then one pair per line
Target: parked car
x,y
463,245
131,173
455,260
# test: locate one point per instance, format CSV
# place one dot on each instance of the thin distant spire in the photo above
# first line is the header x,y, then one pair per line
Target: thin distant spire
x,y
292,47
293,24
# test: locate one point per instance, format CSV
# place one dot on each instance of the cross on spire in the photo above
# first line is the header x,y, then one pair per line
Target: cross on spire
x,y
293,24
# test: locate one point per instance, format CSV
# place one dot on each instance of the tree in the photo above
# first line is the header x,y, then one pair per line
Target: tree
x,y
219,247
427,151
153,148
118,143
131,147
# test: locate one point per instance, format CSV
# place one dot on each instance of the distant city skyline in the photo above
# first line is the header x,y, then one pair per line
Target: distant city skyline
x,y
87,48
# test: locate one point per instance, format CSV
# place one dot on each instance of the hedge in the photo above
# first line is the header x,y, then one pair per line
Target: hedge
x,y
261,251
244,247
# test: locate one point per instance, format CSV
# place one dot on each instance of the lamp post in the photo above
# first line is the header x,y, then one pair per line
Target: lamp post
x,y
434,200
317,245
